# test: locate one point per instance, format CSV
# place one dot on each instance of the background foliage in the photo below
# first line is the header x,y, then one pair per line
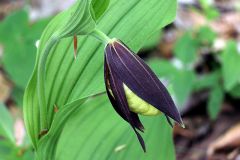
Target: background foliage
x,y
194,66
67,80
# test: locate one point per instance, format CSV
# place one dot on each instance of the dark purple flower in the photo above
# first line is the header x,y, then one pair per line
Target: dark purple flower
x,y
134,89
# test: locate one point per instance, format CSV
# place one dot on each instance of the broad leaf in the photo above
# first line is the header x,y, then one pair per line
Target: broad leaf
x,y
19,45
207,81
231,65
215,101
6,150
6,124
206,36
47,145
235,92
9,151
209,10
95,131
68,80
183,83
17,96
99,7
185,48
77,20
162,68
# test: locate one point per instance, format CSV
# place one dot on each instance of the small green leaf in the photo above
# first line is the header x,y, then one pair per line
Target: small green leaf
x,y
235,92
6,124
183,85
207,81
6,150
23,37
17,96
99,7
185,48
210,11
206,35
215,101
231,65
162,68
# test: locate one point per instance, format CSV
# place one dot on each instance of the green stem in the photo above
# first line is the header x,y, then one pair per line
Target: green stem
x,y
101,36
41,82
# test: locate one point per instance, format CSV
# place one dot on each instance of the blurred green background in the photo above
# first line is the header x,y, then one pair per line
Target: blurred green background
x,y
198,56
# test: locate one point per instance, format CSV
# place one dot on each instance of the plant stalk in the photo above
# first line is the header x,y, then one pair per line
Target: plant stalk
x,y
101,36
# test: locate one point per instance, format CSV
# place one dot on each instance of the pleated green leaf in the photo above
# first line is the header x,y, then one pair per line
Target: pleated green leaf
x,y
64,80
77,20
95,131
47,145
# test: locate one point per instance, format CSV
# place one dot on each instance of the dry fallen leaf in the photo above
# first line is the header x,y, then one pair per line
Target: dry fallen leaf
x,y
188,19
5,88
7,7
230,139
227,25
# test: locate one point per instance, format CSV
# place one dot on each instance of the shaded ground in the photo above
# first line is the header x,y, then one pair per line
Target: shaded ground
x,y
203,139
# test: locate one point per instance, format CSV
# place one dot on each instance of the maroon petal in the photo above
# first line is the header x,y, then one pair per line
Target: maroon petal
x,y
132,70
119,102
118,109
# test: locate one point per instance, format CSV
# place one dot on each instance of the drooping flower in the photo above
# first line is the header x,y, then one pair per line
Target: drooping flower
x,y
133,88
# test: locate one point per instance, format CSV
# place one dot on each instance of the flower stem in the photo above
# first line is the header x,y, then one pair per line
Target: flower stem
x,y
101,36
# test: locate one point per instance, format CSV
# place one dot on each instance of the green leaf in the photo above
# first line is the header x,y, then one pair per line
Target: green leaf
x,y
183,85
23,37
17,96
206,35
47,145
162,68
231,65
215,101
6,150
235,92
77,20
207,81
6,124
9,151
210,11
152,41
185,48
67,79
101,134
99,121
99,7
